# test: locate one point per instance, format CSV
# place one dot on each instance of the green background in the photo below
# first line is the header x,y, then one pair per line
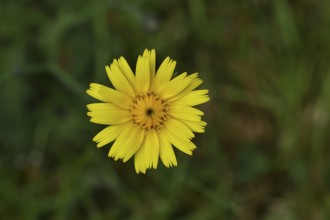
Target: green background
x,y
265,153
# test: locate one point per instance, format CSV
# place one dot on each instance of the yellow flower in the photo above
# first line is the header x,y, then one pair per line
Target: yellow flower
x,y
147,113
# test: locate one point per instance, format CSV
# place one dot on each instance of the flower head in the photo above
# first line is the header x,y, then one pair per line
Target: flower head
x,y
147,113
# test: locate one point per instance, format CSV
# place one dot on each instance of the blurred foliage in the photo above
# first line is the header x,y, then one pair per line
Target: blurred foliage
x,y
265,152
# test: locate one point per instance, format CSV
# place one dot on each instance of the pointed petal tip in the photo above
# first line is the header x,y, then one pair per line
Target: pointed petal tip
x,y
146,52
140,171
99,143
93,85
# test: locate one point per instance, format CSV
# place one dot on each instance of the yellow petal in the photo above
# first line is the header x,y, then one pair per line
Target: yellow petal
x,y
175,86
102,106
195,97
115,97
109,116
164,73
185,146
128,142
127,71
195,126
107,94
166,152
140,160
180,129
118,80
152,62
195,82
94,91
133,144
152,149
147,155
143,74
185,112
109,134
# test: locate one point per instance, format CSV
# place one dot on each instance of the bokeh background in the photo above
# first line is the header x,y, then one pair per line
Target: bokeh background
x,y
265,153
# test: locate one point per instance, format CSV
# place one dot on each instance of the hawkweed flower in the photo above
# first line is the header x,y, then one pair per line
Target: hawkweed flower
x,y
147,113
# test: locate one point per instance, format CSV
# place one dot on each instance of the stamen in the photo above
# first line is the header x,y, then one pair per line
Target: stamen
x,y
149,111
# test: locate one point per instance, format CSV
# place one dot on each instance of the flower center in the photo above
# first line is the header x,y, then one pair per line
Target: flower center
x,y
149,111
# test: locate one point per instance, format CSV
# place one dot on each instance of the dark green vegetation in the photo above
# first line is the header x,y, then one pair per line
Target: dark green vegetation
x,y
265,153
